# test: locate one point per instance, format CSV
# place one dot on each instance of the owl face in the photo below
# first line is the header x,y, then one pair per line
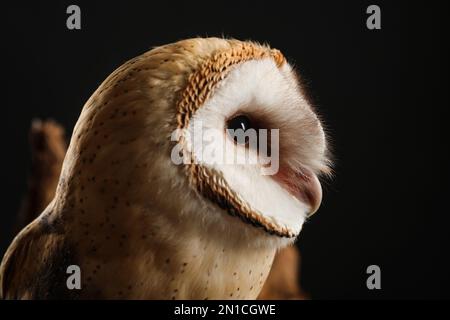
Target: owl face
x,y
251,144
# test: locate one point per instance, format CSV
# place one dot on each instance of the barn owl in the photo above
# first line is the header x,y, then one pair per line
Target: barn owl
x,y
140,226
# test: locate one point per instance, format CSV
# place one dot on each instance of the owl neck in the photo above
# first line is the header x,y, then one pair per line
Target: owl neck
x,y
130,250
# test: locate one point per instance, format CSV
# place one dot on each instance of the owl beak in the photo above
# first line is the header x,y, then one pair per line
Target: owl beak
x,y
312,190
303,185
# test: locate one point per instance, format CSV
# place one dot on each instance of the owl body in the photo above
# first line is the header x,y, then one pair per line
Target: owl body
x,y
140,226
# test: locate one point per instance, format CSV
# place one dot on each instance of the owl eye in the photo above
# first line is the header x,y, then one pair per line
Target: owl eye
x,y
237,129
240,122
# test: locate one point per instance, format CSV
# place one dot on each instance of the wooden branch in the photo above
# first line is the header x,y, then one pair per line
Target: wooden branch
x,y
48,148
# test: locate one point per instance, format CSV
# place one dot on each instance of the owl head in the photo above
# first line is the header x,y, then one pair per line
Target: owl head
x,y
207,133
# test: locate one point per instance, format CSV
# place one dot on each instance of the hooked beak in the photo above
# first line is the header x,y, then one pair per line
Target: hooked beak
x,y
303,185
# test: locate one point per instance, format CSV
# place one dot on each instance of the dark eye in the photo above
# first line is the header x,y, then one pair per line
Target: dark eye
x,y
239,122
237,129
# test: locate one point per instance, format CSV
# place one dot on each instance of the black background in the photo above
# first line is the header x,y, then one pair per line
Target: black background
x,y
383,95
